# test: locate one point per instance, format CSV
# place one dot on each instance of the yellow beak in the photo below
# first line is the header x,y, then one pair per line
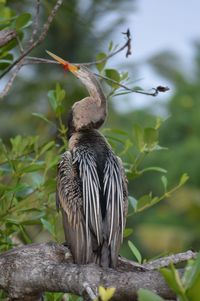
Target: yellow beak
x,y
66,64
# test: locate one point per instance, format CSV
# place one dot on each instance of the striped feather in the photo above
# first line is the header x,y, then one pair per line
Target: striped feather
x,y
69,199
90,187
113,190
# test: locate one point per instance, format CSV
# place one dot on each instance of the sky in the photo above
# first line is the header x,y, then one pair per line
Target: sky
x,y
158,26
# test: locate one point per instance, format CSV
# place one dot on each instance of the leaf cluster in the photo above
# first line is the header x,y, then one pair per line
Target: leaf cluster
x,y
186,287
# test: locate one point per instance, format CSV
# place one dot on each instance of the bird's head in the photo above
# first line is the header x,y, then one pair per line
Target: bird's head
x,y
79,71
91,111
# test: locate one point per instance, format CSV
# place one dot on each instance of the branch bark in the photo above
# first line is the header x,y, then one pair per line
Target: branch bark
x,y
26,272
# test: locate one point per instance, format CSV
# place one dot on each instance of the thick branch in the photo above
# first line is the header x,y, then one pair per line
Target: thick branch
x,y
26,272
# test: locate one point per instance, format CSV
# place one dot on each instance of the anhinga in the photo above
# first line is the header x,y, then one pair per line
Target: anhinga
x,y
91,183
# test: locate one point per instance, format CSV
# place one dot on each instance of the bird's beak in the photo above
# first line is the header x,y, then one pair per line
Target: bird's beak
x,y
66,64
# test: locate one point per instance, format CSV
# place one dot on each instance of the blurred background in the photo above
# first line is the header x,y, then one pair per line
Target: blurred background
x,y
165,51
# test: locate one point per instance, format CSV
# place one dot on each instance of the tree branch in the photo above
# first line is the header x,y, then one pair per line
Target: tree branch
x,y
38,41
6,35
127,46
26,272
35,22
156,91
175,259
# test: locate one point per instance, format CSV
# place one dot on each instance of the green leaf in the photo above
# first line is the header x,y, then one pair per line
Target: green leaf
x,y
139,135
41,116
110,47
22,20
52,100
159,122
46,147
4,64
184,178
193,293
133,202
116,131
101,65
124,75
150,137
114,75
173,279
33,167
192,272
147,295
135,251
30,216
49,296
127,232
60,93
143,202
49,227
154,168
6,56
25,235
165,182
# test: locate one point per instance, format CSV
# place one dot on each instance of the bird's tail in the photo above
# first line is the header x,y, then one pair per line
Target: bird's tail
x,y
105,260
106,255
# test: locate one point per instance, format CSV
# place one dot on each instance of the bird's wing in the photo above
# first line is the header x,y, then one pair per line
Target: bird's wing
x,y
69,199
88,174
115,191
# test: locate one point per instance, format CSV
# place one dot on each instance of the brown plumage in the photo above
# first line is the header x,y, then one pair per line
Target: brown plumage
x,y
91,183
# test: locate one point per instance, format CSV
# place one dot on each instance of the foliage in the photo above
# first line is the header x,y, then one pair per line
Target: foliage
x,y
106,294
186,287
28,159
9,19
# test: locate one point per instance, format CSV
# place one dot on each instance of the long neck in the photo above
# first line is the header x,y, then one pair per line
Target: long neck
x,y
94,88
91,111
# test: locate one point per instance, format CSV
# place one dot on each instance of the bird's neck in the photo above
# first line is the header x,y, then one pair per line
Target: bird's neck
x,y
94,89
90,112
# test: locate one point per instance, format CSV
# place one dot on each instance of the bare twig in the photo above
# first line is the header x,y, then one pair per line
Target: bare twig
x,y
21,48
8,86
36,22
128,35
89,291
126,45
174,258
154,93
35,60
38,60
38,41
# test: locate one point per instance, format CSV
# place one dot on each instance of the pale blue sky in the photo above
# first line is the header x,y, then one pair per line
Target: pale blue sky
x,y
161,25
157,26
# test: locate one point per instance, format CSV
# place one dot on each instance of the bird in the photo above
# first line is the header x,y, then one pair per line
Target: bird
x,y
91,182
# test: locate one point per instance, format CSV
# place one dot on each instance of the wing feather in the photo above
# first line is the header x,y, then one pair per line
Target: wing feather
x,y
69,199
90,186
114,190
